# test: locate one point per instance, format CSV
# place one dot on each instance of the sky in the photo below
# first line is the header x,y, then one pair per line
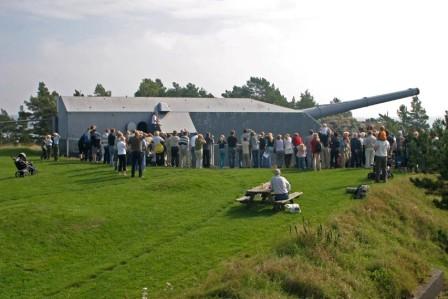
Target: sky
x,y
345,49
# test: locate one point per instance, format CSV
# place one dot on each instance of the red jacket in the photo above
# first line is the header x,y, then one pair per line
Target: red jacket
x,y
296,140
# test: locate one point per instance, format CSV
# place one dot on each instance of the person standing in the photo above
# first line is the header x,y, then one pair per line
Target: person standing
x,y
136,148
184,143
111,145
84,145
56,138
309,155
222,150
198,149
345,150
209,141
158,148
279,149
105,147
369,144
95,144
231,144
121,153
245,149
301,154
356,147
155,122
316,148
262,146
335,145
192,150
324,136
175,149
381,149
296,141
289,151
255,149
48,146
269,153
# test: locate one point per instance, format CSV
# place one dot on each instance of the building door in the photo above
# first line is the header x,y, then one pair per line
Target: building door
x,y
142,126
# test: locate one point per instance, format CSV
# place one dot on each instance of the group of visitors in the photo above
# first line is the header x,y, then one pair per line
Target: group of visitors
x,y
50,146
320,149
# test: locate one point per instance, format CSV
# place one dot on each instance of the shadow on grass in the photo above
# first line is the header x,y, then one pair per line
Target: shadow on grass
x,y
96,180
256,209
62,162
12,177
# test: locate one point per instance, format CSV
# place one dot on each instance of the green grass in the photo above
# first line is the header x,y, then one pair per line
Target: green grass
x,y
78,230
81,230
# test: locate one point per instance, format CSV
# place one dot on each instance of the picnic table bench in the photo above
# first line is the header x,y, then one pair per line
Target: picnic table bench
x,y
267,196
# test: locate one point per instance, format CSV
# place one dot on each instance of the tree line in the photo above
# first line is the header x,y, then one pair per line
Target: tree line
x,y
36,116
37,119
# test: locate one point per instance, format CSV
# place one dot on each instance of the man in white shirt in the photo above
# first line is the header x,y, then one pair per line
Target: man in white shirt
x,y
381,148
155,123
280,186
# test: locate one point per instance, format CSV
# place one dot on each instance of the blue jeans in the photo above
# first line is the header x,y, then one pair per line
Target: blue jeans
x,y
232,154
301,163
281,196
222,157
111,149
255,158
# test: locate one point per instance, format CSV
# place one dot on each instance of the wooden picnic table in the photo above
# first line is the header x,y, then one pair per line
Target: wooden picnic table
x,y
264,190
266,196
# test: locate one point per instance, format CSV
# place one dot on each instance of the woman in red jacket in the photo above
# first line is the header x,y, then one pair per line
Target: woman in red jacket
x,y
316,148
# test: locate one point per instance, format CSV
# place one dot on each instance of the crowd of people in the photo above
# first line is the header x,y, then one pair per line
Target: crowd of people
x,y
320,149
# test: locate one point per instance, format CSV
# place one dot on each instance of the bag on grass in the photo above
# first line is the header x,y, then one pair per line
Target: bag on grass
x,y
293,208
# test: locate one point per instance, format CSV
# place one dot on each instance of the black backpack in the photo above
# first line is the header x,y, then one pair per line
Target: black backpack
x,y
319,147
361,192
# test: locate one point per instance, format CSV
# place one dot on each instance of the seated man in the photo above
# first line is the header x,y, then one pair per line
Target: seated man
x,y
280,186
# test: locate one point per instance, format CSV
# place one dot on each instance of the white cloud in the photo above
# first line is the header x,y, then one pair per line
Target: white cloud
x,y
347,49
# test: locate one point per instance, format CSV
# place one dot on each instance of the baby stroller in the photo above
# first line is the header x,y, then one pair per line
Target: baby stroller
x,y
23,166
371,175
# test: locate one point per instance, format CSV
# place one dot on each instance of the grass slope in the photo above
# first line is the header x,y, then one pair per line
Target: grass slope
x,y
81,231
382,248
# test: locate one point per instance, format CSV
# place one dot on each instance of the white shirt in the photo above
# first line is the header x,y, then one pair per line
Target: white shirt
x,y
369,141
157,139
193,140
56,139
280,185
121,147
381,148
325,131
279,145
288,145
154,119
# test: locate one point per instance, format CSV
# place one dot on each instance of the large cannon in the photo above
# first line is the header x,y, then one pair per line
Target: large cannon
x,y
331,109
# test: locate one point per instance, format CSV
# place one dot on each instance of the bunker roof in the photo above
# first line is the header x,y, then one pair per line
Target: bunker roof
x,y
165,104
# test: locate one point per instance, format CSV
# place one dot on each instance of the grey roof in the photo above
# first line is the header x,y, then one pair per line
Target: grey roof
x,y
148,104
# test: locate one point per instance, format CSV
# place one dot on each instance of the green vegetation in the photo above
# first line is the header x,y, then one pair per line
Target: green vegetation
x,y
382,248
82,231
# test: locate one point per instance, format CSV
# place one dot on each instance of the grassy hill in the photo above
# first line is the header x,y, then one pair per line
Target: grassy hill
x,y
82,231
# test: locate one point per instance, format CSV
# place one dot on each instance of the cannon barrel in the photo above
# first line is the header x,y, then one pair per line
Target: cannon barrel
x,y
331,109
